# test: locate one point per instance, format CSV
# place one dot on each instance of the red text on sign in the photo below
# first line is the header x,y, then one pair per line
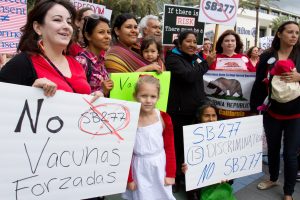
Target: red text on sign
x,y
185,21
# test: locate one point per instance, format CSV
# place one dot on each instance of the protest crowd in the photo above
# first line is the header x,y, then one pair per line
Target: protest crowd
x,y
76,51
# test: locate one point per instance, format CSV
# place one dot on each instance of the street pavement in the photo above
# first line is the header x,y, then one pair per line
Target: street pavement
x,y
245,189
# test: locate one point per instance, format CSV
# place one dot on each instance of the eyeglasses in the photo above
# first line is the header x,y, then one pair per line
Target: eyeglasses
x,y
86,19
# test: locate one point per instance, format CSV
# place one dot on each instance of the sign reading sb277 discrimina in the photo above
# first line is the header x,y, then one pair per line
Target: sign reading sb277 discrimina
x,y
218,11
63,147
222,150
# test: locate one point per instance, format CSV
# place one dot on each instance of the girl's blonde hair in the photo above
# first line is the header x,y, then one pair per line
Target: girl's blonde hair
x,y
146,79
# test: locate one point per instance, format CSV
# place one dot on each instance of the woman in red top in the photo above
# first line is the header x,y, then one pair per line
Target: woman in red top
x,y
229,45
42,62
253,55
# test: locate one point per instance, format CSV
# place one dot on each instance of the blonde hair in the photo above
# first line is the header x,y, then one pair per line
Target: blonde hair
x,y
146,79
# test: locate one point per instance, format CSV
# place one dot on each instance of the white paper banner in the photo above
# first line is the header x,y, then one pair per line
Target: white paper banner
x,y
97,8
62,147
265,42
222,150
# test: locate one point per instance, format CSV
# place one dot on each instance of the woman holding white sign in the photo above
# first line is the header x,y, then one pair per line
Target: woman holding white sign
x,y
186,88
43,62
229,57
281,118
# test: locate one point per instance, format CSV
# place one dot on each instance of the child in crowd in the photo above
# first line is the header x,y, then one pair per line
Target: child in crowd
x,y
153,165
283,91
208,113
151,50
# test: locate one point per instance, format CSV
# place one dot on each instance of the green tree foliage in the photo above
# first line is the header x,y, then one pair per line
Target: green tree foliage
x,y
139,8
278,21
251,4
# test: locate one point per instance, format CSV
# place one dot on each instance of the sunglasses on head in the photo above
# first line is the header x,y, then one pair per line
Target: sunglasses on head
x,y
86,19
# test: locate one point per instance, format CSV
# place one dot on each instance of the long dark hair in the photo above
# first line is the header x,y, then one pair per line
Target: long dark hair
x,y
29,38
90,24
119,21
79,15
276,41
239,43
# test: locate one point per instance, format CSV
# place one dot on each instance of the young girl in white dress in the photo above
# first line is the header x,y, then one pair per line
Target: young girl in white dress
x,y
153,166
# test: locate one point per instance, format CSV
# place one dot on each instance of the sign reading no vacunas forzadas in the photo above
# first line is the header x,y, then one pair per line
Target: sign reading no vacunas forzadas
x,y
63,147
180,18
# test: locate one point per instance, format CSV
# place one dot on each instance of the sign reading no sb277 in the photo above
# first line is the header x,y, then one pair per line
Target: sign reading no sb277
x,y
218,11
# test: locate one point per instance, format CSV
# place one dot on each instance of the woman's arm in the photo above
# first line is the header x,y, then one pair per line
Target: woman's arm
x,y
184,70
19,70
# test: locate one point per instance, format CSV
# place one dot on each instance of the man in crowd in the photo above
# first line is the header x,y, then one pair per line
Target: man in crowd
x,y
205,48
150,25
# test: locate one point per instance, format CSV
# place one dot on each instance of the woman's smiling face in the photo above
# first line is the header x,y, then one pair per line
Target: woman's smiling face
x,y
128,32
189,44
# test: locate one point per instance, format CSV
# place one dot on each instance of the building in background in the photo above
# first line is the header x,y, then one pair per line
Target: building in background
x,y
245,26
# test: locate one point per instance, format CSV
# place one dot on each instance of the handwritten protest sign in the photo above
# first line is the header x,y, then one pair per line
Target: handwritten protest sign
x,y
63,147
178,19
229,91
265,42
96,8
12,17
222,150
124,84
219,11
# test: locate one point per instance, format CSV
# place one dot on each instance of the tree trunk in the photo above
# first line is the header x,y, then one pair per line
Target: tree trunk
x,y
256,23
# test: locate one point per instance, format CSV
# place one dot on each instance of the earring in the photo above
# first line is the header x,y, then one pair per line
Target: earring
x,y
40,44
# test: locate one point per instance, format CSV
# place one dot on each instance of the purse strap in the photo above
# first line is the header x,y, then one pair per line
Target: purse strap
x,y
59,72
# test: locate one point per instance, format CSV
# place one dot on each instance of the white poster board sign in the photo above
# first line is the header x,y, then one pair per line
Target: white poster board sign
x,y
218,11
222,150
96,8
62,147
265,42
